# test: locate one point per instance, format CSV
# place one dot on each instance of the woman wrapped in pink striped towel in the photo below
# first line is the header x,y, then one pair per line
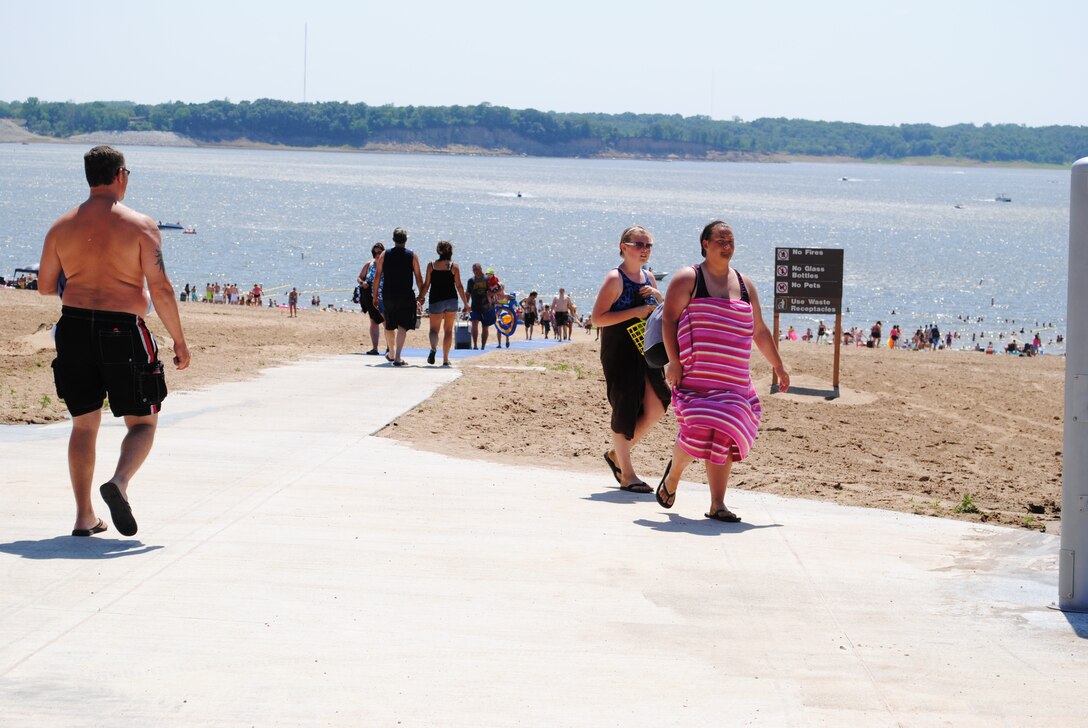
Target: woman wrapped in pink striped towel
x,y
710,322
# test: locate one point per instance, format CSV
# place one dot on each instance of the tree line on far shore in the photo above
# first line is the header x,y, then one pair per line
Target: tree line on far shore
x,y
548,133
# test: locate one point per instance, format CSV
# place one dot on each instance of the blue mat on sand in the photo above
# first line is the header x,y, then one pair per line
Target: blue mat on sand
x,y
536,344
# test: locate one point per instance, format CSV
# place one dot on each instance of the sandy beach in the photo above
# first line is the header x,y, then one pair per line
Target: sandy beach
x,y
918,432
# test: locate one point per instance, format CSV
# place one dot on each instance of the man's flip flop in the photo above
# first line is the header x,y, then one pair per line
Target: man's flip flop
x,y
724,514
638,487
96,528
616,472
666,500
120,511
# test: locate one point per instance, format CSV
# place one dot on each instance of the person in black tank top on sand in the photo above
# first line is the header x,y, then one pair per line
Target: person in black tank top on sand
x,y
396,269
710,323
443,282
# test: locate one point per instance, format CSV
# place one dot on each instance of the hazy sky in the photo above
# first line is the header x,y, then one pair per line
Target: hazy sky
x,y
868,61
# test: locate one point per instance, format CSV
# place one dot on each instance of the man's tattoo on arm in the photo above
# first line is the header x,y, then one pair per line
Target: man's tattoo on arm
x,y
159,261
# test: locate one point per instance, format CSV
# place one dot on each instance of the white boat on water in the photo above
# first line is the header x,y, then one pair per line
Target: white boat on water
x,y
658,276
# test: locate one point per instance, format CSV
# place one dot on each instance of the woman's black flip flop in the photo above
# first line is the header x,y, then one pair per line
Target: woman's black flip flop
x,y
616,472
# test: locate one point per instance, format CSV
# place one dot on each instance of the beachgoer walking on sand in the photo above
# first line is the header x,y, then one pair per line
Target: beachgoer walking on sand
x,y
397,268
710,322
292,303
443,280
528,314
366,295
561,312
497,296
546,320
482,311
638,394
874,336
108,254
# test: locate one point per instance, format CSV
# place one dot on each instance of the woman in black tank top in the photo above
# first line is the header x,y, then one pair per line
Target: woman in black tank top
x,y
443,282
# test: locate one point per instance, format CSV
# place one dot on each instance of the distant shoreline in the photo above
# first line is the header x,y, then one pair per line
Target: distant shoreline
x,y
11,133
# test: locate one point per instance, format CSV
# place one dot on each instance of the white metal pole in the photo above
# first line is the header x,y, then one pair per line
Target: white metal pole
x,y
1073,560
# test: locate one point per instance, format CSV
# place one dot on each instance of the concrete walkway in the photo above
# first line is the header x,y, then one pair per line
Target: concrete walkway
x,y
292,569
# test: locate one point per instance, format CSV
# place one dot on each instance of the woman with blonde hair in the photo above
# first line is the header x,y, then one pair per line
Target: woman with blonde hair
x,y
638,394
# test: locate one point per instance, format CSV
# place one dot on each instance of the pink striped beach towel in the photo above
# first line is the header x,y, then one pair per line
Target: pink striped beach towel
x,y
716,405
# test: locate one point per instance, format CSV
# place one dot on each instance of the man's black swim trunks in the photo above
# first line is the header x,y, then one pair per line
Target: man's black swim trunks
x,y
102,353
400,313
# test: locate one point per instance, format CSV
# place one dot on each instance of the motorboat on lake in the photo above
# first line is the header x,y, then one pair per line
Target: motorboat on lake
x,y
191,230
170,225
24,277
658,276
1002,197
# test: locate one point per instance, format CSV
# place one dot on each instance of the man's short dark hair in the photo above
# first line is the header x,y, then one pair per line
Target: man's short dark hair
x,y
400,236
102,165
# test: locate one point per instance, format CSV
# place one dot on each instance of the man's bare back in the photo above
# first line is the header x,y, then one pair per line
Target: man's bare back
x,y
106,252
100,246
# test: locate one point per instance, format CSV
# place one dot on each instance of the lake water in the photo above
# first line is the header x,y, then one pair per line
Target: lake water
x,y
308,219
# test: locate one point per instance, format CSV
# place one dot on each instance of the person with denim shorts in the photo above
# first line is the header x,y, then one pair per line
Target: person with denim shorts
x,y
443,283
482,311
110,258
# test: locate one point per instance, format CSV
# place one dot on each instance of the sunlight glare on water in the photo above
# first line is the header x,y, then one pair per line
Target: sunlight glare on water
x,y
308,219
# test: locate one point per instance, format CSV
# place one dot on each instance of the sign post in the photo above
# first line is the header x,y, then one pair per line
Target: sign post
x,y
1073,557
809,280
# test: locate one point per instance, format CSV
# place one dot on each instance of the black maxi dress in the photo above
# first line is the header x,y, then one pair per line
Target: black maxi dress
x,y
625,369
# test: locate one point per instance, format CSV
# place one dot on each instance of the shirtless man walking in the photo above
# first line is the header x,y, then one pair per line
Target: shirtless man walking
x,y
561,311
98,256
